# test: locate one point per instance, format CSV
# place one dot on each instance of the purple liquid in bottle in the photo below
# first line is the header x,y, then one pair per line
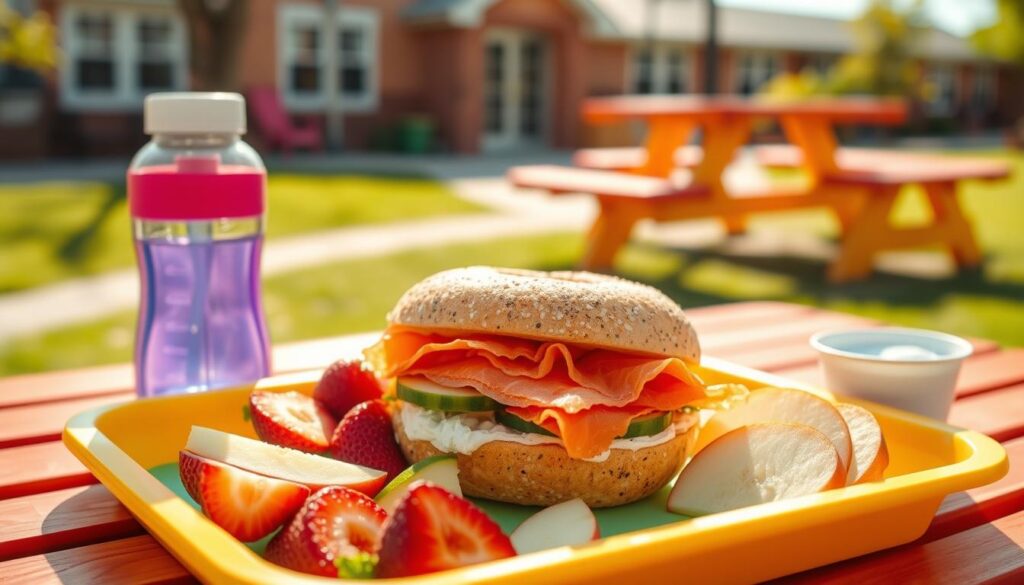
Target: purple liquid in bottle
x,y
197,195
201,321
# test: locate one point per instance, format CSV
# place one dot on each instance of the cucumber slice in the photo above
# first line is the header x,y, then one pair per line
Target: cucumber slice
x,y
442,470
649,424
524,426
429,395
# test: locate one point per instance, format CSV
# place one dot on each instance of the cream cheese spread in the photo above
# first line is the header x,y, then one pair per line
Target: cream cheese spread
x,y
458,433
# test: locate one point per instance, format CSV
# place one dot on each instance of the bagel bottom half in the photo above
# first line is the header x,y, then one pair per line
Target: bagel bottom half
x,y
543,475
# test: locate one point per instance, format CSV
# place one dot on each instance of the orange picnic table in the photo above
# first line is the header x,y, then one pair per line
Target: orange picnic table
x,y
860,187
58,525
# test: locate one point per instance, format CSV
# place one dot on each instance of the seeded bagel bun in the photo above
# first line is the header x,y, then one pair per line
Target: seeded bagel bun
x,y
543,475
576,307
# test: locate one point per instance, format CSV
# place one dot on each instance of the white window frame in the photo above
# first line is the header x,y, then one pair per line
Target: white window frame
x,y
291,16
660,68
759,60
127,93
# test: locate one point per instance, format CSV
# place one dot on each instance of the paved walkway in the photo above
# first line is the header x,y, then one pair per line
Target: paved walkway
x,y
86,299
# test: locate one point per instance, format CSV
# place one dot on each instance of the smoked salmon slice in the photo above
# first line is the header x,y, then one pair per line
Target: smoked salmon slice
x,y
587,396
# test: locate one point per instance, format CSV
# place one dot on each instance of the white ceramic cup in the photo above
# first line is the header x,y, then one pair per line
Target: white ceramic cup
x,y
910,369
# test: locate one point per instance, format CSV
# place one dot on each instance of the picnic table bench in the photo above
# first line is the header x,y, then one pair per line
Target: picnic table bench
x,y
859,185
58,525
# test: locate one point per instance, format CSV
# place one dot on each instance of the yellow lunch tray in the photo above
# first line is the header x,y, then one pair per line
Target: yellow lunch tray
x,y
132,448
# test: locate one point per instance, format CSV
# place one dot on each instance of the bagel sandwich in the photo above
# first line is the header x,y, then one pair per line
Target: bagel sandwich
x,y
547,386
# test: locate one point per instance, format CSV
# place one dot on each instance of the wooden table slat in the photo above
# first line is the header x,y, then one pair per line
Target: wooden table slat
x,y
138,560
990,553
38,423
50,521
757,336
742,315
39,468
980,373
997,413
116,382
964,510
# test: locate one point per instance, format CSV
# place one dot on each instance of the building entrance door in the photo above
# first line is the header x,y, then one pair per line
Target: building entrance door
x,y
515,80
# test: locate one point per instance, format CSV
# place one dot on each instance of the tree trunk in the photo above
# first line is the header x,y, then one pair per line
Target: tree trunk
x,y
215,30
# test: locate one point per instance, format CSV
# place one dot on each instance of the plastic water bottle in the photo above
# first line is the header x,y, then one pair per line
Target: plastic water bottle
x,y
197,195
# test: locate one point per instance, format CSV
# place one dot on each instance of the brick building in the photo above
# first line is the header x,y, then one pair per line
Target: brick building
x,y
490,74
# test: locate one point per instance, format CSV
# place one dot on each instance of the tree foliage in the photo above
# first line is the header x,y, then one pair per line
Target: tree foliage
x,y
1004,39
27,41
882,62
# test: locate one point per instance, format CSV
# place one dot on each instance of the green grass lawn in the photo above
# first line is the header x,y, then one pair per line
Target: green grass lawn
x,y
54,230
354,295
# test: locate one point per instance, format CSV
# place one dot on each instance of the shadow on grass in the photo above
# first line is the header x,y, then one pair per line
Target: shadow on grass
x,y
76,246
806,281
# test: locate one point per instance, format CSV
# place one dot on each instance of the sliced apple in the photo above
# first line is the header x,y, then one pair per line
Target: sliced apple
x,y
313,471
870,455
565,524
441,470
782,405
762,462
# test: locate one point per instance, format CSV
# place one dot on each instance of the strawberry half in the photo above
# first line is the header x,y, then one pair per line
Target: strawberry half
x,y
248,505
291,419
365,437
345,384
335,523
434,530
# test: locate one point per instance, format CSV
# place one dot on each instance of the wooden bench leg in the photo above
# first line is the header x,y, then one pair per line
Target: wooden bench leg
x,y
864,236
957,230
611,231
735,224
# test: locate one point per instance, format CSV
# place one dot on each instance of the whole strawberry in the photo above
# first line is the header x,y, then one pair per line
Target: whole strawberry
x,y
433,530
345,384
335,526
365,437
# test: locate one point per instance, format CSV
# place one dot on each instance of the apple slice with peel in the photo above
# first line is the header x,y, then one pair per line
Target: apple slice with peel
x,y
565,524
870,455
441,470
313,471
762,462
782,405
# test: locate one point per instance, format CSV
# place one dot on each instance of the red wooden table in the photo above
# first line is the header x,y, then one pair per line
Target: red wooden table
x,y
57,524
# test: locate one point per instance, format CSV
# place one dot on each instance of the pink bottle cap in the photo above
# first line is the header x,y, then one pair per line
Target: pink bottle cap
x,y
196,188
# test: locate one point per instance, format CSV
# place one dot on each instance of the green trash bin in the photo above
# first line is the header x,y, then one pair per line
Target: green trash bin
x,y
416,135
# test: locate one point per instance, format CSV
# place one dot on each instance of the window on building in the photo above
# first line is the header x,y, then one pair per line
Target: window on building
x,y
942,81
303,57
304,69
663,69
754,70
983,94
94,59
115,56
156,53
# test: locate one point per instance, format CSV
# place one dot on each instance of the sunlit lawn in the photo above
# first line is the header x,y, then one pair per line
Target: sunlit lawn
x,y
355,295
52,231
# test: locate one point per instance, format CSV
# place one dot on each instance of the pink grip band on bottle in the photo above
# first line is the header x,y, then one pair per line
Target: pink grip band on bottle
x,y
196,192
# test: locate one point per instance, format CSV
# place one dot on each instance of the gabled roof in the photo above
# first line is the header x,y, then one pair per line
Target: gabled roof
x,y
683,21
469,13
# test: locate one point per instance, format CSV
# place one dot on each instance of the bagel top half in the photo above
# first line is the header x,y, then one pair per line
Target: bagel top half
x,y
581,308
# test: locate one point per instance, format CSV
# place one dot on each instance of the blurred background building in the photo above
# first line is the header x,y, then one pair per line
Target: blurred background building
x,y
476,75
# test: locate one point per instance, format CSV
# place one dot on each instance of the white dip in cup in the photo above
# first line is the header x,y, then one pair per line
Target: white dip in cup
x,y
910,369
